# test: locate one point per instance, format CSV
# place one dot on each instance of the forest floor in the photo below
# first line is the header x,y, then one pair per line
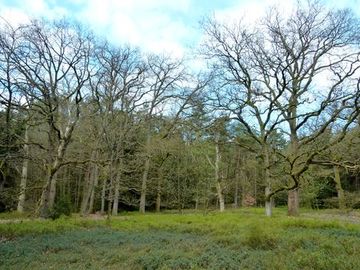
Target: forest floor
x,y
236,239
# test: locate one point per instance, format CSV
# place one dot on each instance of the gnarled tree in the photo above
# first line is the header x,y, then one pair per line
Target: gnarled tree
x,y
52,62
297,74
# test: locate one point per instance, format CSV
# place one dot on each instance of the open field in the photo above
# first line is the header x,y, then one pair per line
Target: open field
x,y
242,239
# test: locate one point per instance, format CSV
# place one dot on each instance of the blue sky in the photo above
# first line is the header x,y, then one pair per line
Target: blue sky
x,y
170,26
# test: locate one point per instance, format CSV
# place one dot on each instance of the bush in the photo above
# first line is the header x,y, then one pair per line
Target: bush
x,y
62,207
281,198
331,203
352,200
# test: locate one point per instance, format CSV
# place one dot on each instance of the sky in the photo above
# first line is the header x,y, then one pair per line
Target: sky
x,y
159,26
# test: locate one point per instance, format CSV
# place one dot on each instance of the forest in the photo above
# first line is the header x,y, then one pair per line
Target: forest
x,y
242,154
271,118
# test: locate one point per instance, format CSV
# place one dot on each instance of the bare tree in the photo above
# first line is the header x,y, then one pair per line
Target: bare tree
x,y
271,81
118,88
170,90
8,87
8,104
237,75
52,60
24,172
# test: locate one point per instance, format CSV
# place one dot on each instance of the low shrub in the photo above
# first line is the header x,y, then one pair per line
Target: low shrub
x,y
61,207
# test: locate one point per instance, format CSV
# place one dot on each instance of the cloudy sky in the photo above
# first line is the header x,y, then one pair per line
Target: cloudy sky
x,y
170,26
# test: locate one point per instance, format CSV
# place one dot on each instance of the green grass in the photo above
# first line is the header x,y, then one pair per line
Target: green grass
x,y
242,239
15,215
33,227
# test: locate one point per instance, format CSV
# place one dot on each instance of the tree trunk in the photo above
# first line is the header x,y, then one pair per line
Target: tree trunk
x,y
79,180
52,193
158,201
110,197
115,208
339,189
219,187
89,187
293,202
43,207
268,197
145,175
46,200
111,189
236,193
24,173
269,202
86,191
293,195
158,194
196,202
106,188
221,198
143,185
49,191
95,183
103,194
238,174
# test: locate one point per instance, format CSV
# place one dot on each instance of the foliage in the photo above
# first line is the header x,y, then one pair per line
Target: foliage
x,y
61,207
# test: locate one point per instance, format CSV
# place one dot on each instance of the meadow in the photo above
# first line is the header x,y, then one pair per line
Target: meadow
x,y
239,239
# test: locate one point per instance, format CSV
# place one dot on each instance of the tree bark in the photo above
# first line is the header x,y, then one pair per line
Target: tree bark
x,y
158,201
339,189
115,208
238,174
269,202
268,197
219,187
236,194
86,192
24,173
47,201
293,202
143,185
158,193
92,196
145,175
79,180
52,193
221,198
196,202
89,187
103,194
293,194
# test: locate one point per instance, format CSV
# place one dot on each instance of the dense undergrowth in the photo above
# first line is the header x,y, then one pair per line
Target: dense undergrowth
x,y
242,239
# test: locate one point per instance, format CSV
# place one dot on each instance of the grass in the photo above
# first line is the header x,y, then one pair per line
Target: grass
x,y
242,239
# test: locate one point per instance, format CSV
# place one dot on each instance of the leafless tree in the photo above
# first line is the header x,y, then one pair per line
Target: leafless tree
x,y
296,74
118,88
170,90
52,60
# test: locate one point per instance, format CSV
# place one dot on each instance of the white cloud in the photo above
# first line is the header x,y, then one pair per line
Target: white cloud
x,y
30,9
13,16
147,24
153,25
251,11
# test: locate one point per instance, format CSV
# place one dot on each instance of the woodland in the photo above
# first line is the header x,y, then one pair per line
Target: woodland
x,y
271,118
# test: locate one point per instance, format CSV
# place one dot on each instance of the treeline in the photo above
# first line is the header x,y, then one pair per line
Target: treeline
x,y
92,127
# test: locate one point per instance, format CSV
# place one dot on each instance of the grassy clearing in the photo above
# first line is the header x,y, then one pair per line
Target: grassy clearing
x,y
242,239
